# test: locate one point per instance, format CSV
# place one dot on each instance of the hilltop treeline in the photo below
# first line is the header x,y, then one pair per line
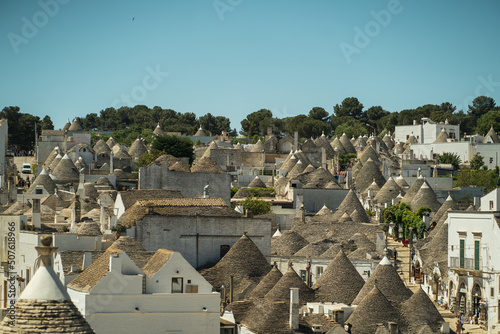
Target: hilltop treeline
x,y
350,117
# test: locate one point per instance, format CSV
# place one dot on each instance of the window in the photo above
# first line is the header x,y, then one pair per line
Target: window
x,y
319,271
477,251
177,284
462,253
492,292
491,205
303,275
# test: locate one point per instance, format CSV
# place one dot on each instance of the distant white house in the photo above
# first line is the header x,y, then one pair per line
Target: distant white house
x,y
426,132
168,295
474,261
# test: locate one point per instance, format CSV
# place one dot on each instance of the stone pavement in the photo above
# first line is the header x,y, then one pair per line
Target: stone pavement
x,y
402,267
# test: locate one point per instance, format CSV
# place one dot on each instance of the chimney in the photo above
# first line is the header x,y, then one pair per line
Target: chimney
x,y
46,250
302,213
87,260
77,210
384,167
414,122
77,152
115,263
308,274
269,130
37,219
295,141
477,202
294,308
111,163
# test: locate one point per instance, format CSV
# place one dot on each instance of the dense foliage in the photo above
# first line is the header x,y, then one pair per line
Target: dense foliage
x,y
450,158
22,128
349,117
256,206
484,178
401,215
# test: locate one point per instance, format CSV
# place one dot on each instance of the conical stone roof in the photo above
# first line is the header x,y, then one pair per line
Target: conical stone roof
x,y
55,162
418,310
289,162
44,306
309,169
349,204
258,147
345,218
367,174
111,142
90,191
101,147
206,165
44,180
388,192
386,278
442,137
75,126
288,244
449,203
413,190
52,155
371,311
158,131
66,171
411,140
337,146
399,148
388,142
373,187
370,153
67,125
400,180
309,146
296,170
242,193
356,168
346,142
493,135
323,211
281,290
266,284
200,133
340,282
137,149
256,183
425,197
244,260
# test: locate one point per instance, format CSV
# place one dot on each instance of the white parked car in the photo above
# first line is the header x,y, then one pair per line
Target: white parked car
x,y
26,169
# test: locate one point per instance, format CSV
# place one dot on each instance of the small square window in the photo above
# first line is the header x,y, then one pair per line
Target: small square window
x,y
492,292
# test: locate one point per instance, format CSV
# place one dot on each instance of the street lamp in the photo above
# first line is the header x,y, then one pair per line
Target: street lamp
x,y
387,225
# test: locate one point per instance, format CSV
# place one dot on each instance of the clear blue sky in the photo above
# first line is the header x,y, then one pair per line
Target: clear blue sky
x,y
233,57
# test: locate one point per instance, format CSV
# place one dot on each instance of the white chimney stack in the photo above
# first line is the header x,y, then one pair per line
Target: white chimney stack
x,y
294,308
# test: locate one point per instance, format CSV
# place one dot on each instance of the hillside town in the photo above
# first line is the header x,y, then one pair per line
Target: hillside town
x,y
282,234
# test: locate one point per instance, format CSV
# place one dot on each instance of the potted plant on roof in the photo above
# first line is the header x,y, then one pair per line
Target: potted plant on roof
x,y
119,230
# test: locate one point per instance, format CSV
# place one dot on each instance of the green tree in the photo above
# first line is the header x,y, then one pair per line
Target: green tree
x,y
450,158
256,206
128,135
215,125
488,120
401,215
255,123
486,179
477,162
46,123
481,105
350,106
319,114
177,146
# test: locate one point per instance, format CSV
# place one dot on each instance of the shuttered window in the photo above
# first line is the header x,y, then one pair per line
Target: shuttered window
x,y
462,253
476,254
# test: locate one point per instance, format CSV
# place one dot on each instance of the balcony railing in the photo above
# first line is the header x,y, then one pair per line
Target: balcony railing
x,y
468,264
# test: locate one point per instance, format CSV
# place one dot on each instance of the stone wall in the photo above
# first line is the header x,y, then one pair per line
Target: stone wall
x,y
199,239
189,184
